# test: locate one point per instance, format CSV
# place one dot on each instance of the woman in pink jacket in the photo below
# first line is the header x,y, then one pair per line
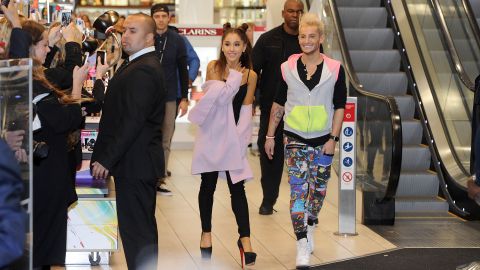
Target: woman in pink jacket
x,y
224,116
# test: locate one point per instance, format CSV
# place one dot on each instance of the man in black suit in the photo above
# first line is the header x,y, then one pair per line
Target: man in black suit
x,y
129,144
271,50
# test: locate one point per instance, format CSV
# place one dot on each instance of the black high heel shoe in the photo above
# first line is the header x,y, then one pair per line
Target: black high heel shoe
x,y
205,251
248,258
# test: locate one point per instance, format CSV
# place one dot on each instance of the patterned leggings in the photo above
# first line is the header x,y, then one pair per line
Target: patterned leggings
x,y
308,182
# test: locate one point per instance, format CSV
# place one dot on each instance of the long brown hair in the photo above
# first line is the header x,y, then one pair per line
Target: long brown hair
x,y
36,31
245,58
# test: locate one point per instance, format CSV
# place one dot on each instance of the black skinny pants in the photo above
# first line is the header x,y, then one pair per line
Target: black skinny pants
x,y
238,200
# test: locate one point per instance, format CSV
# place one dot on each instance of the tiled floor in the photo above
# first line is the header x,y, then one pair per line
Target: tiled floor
x,y
272,236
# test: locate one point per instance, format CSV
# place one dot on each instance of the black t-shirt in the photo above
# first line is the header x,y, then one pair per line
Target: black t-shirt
x,y
339,96
291,44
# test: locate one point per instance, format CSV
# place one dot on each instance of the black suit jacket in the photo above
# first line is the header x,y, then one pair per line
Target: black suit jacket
x,y
129,142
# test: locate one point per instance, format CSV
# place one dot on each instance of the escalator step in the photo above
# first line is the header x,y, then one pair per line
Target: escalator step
x,y
358,3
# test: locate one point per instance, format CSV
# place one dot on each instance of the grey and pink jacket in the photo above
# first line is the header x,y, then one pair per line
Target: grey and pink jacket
x,y
309,113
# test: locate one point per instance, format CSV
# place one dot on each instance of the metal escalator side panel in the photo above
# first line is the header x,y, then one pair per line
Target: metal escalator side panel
x,y
451,174
374,108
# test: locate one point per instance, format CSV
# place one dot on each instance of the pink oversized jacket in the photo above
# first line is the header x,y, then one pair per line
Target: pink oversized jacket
x,y
220,144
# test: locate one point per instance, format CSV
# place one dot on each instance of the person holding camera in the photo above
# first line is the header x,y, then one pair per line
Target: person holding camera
x,y
311,99
61,75
57,114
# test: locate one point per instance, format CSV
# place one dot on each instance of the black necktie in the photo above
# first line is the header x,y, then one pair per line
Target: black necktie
x,y
122,66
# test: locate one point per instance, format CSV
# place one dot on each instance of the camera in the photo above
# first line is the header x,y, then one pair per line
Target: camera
x,y
40,150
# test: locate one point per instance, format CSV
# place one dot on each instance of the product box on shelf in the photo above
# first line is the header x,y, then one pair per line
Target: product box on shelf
x,y
88,137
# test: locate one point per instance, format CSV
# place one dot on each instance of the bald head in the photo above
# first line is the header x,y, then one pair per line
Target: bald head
x,y
291,13
148,22
139,33
289,2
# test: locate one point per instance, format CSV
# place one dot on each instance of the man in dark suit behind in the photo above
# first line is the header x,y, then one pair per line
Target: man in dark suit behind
x,y
129,144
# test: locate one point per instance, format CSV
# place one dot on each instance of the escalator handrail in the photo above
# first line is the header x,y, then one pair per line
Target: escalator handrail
x,y
451,46
456,62
428,132
472,20
395,118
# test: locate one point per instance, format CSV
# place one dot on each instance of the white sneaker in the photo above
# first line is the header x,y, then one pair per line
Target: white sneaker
x,y
310,233
303,253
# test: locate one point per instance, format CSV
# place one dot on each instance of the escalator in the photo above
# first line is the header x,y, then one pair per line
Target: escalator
x,y
461,34
396,50
441,44
455,22
377,64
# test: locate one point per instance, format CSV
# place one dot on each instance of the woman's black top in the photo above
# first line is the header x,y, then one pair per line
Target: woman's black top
x,y
238,99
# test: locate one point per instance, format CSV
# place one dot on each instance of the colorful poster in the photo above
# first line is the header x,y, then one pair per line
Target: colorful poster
x,y
92,226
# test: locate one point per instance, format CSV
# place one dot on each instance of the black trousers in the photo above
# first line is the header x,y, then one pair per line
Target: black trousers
x,y
238,200
271,169
136,201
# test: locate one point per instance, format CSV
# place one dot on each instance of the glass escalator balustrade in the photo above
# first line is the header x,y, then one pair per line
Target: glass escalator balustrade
x,y
453,98
374,124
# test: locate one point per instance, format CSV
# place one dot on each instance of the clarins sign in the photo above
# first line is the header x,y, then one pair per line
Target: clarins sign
x,y
201,31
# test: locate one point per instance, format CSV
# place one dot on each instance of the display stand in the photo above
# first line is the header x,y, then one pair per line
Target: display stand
x,y
92,230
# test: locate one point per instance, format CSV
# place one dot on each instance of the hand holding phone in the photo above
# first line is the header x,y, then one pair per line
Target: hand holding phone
x,y
101,55
9,8
80,24
54,35
72,34
66,17
102,65
4,3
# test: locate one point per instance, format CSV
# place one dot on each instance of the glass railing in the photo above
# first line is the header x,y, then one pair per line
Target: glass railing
x,y
453,99
379,139
462,28
15,114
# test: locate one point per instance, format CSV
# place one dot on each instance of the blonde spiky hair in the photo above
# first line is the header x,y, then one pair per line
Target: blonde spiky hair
x,y
311,19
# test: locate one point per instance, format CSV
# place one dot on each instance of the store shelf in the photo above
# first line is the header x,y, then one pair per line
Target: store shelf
x,y
240,7
110,6
95,10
